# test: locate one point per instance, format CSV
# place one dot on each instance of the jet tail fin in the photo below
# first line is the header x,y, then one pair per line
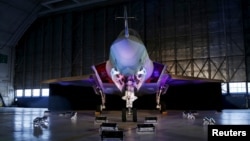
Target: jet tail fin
x,y
126,21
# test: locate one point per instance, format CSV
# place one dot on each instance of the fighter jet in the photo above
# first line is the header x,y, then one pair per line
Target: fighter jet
x,y
129,71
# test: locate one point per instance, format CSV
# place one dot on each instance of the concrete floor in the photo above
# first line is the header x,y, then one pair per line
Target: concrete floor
x,y
16,124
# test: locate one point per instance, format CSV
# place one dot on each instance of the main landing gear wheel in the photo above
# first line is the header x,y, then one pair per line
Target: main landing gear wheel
x,y
98,110
163,109
134,115
125,115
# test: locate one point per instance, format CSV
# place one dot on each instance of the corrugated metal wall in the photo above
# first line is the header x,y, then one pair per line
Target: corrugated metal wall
x,y
246,29
200,38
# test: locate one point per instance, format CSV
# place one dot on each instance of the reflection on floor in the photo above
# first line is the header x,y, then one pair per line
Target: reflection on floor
x,y
17,125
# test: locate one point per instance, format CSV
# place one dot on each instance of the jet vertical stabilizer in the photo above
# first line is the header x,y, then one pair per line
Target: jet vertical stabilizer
x,y
126,21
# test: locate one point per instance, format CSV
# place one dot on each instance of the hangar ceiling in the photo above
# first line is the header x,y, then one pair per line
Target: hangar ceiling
x,y
18,15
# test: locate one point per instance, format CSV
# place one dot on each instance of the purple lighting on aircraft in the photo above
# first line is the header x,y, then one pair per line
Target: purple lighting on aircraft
x,y
156,73
158,68
101,69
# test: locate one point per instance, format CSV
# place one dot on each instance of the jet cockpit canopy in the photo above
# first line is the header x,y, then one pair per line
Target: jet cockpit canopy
x,y
132,32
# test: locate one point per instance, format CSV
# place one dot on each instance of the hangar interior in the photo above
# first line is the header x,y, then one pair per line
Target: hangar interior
x,y
46,39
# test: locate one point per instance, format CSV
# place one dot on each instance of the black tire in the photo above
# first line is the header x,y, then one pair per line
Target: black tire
x,y
98,109
124,117
134,115
163,107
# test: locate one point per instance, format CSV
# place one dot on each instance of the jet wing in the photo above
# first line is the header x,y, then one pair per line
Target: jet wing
x,y
83,80
147,88
182,80
174,80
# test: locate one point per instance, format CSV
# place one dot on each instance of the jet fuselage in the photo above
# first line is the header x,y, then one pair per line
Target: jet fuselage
x,y
129,58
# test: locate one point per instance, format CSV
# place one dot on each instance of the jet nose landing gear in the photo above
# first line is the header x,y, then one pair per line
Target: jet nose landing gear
x,y
129,113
